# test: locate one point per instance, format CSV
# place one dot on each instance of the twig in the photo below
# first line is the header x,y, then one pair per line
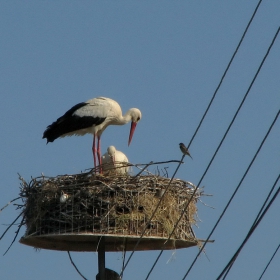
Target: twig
x,y
10,225
104,184
99,240
199,245
158,162
206,204
158,172
9,203
75,266
124,253
17,232
166,172
143,169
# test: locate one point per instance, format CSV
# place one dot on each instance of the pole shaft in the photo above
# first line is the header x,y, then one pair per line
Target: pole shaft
x,y
101,258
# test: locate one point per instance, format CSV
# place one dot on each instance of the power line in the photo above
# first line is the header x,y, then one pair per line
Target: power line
x,y
208,107
252,229
154,212
267,198
269,262
213,97
232,194
241,104
274,38
246,239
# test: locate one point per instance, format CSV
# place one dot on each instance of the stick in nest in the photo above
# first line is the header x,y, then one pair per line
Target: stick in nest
x,y
109,204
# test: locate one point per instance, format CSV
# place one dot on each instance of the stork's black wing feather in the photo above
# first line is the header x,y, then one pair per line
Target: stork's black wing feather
x,y
70,112
69,123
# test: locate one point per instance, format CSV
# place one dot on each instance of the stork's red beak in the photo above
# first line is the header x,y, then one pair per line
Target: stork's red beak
x,y
133,126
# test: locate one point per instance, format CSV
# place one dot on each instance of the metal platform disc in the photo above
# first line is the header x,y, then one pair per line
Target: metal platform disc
x,y
114,243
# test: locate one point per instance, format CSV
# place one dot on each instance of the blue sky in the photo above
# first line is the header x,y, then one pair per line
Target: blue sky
x,y
165,58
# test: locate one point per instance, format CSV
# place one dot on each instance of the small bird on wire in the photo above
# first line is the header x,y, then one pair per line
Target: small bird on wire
x,y
185,150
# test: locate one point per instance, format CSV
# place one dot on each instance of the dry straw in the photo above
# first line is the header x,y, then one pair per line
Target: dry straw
x,y
112,204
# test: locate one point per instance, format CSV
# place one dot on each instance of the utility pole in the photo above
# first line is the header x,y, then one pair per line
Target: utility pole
x,y
101,258
104,273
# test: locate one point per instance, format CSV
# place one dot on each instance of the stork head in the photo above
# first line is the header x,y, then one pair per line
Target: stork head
x,y
111,153
135,118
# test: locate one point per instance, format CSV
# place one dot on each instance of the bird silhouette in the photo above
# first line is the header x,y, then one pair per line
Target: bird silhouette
x,y
185,150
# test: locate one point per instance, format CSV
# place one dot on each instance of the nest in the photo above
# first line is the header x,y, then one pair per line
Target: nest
x,y
112,204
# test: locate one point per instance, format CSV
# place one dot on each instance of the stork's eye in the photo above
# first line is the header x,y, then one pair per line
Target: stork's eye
x,y
138,119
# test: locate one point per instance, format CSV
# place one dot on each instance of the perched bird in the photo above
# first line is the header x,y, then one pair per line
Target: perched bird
x,y
115,161
185,150
92,116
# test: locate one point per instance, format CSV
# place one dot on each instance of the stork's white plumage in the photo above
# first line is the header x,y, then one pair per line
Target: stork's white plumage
x,y
92,117
115,161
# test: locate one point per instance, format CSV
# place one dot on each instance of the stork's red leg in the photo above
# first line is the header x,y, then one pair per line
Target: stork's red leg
x,y
99,154
94,151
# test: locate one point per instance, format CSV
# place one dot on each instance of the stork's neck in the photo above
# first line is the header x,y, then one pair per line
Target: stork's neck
x,y
132,114
125,119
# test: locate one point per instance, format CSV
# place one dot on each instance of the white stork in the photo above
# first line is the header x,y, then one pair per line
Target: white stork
x,y
115,161
92,117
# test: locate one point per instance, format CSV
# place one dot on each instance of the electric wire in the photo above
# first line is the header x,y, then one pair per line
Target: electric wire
x,y
269,262
225,72
231,264
150,219
243,177
241,104
252,229
206,111
208,107
272,189
247,237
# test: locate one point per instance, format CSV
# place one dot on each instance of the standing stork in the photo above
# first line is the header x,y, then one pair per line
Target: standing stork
x,y
115,161
92,116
